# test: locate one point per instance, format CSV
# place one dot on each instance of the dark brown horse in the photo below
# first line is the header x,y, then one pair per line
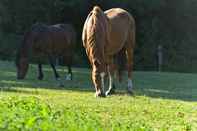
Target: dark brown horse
x,y
46,41
105,35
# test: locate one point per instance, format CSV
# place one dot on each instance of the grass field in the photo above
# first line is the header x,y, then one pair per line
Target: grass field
x,y
162,101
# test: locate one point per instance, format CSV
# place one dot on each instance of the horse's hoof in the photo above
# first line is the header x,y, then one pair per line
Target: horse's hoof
x,y
130,92
97,95
40,78
109,92
60,85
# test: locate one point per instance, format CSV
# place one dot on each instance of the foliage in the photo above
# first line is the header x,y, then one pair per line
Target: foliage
x,y
25,113
171,24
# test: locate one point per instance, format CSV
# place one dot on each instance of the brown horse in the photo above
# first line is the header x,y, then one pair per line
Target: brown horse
x,y
46,41
105,35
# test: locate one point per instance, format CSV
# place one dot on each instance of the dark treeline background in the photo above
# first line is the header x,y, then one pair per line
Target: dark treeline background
x,y
170,23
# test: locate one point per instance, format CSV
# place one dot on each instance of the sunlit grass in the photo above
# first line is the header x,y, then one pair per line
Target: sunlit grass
x,y
162,101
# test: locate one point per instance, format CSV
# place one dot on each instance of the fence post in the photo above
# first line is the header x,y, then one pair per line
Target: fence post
x,y
57,61
160,57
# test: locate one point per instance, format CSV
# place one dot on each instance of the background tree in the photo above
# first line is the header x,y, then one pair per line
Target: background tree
x,y
171,24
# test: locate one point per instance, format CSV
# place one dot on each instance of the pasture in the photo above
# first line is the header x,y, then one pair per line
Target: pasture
x,y
162,101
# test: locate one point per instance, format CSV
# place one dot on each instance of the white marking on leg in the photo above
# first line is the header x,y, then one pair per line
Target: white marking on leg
x,y
110,82
130,85
102,74
68,77
110,85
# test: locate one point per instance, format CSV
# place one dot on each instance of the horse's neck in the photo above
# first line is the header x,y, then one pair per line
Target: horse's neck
x,y
26,49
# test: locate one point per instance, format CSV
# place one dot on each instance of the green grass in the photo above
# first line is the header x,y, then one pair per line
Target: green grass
x,y
162,101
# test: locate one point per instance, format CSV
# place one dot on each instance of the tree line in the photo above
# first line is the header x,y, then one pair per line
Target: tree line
x,y
171,24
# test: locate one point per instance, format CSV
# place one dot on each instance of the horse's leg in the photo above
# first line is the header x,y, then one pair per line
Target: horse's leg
x,y
70,75
110,69
68,60
57,77
98,80
54,69
40,73
130,53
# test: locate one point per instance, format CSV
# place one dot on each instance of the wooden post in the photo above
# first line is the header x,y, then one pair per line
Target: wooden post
x,y
57,61
160,57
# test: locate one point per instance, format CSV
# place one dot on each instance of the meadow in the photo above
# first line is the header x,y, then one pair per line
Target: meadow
x,y
161,101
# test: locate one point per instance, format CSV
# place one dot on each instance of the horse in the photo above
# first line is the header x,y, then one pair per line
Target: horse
x,y
51,41
109,36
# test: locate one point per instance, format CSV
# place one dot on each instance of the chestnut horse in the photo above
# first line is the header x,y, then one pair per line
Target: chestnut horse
x,y
107,35
46,41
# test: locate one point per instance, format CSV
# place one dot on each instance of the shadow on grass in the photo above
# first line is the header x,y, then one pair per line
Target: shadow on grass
x,y
21,87
177,86
154,85
155,93
11,86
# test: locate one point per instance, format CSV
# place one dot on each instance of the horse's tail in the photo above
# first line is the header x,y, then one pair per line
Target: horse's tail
x,y
97,9
120,59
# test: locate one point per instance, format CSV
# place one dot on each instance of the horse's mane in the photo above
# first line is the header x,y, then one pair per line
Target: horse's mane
x,y
24,48
38,27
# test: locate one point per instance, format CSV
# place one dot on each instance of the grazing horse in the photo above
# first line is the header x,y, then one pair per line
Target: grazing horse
x,y
107,35
46,41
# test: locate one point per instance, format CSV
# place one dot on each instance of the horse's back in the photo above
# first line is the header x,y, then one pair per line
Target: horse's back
x,y
53,39
69,29
62,37
120,26
119,15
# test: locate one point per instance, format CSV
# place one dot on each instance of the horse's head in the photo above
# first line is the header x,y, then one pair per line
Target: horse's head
x,y
22,67
22,57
